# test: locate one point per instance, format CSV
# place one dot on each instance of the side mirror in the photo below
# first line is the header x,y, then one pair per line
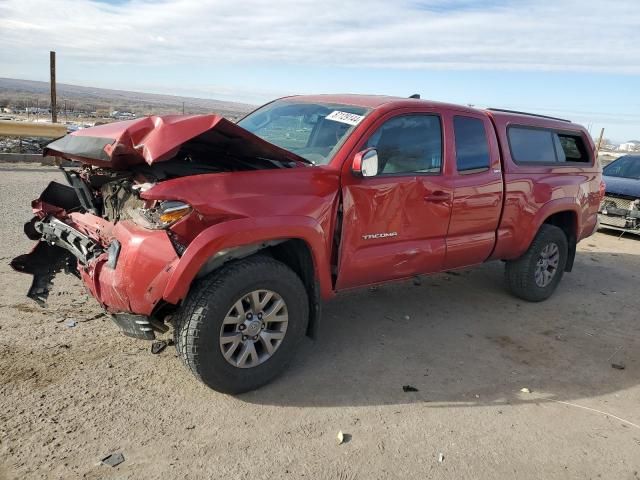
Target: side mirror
x,y
365,163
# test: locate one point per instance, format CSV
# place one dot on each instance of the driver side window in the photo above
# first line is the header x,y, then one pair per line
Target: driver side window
x,y
409,144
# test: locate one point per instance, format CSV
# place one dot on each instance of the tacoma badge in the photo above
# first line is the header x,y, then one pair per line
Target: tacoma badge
x,y
371,236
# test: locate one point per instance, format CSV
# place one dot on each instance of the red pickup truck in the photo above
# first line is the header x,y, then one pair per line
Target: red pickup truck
x,y
235,233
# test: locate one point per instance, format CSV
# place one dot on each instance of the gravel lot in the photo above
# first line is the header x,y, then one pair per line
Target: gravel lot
x,y
71,396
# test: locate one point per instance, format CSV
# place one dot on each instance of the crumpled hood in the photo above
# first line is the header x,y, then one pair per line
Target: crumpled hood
x,y
622,186
158,138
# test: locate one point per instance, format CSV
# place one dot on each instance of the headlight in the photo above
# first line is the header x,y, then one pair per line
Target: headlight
x,y
160,216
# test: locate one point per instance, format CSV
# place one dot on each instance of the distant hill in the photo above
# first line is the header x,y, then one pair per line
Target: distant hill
x,y
20,93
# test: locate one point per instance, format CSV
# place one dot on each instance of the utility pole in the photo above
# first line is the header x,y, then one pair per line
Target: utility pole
x,y
599,144
52,68
183,108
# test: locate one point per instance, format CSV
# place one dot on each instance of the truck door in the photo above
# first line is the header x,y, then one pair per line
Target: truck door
x,y
477,191
395,224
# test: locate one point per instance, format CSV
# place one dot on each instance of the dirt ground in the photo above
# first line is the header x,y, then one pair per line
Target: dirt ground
x,y
69,396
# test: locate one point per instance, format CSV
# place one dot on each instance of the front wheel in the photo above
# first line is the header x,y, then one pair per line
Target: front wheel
x,y
536,274
240,326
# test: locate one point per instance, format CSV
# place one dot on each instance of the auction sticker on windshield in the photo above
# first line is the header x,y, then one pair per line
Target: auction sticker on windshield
x,y
345,117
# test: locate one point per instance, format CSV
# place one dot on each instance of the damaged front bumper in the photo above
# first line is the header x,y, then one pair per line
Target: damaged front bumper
x,y
55,232
137,326
44,262
621,214
124,266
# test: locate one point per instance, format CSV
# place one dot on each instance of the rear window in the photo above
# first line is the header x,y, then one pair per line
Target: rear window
x,y
472,150
572,149
531,145
537,145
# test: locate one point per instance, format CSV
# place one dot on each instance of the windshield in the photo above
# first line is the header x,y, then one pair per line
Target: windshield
x,y
626,167
314,131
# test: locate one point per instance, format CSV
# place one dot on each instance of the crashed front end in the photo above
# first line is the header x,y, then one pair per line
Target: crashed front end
x,y
107,228
124,265
620,212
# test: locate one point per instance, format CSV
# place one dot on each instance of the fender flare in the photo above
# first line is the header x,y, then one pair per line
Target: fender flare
x,y
249,231
551,208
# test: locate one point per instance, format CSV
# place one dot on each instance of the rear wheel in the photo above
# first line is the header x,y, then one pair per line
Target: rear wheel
x,y
240,326
535,275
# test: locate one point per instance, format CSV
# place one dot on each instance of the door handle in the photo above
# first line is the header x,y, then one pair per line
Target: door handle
x,y
437,197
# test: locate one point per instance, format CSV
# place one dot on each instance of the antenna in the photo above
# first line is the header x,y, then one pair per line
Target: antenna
x,y
415,95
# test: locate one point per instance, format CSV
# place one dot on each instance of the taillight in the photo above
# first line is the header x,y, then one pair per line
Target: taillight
x,y
603,189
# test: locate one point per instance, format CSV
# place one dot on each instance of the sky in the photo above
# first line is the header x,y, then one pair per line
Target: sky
x,y
576,59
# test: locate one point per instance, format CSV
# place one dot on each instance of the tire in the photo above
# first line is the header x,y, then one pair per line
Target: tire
x,y
522,275
202,323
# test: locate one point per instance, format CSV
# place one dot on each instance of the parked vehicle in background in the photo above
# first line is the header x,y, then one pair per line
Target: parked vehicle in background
x,y
236,233
620,209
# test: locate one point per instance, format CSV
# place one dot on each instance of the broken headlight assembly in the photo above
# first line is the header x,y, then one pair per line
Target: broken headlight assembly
x,y
160,215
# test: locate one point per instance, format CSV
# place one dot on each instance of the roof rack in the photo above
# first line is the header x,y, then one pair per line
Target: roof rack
x,y
527,113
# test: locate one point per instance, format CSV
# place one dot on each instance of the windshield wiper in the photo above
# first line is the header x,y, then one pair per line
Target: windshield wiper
x,y
279,163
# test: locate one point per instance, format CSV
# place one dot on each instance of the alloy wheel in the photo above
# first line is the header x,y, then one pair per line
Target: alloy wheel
x,y
253,328
547,265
